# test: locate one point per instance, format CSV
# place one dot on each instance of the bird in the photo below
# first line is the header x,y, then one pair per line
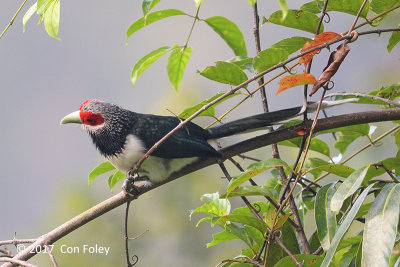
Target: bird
x,y
123,136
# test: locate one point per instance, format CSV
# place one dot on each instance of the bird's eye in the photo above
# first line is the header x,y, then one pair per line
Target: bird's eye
x,y
89,120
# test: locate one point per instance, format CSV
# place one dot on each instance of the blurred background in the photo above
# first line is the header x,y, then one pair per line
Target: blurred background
x,y
44,166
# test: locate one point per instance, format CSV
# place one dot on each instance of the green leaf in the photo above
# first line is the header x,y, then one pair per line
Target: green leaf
x,y
314,7
253,170
347,188
351,241
389,163
28,15
250,190
318,166
348,6
344,227
240,232
284,8
346,135
221,237
147,5
243,63
314,242
146,61
103,167
292,44
256,238
114,179
198,2
42,5
309,261
345,6
230,32
263,207
225,72
393,40
268,58
381,227
150,18
214,206
252,2
208,112
315,145
52,19
274,184
260,225
379,6
297,19
324,217
344,256
176,65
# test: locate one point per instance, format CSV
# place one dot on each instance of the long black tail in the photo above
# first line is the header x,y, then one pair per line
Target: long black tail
x,y
267,119
253,122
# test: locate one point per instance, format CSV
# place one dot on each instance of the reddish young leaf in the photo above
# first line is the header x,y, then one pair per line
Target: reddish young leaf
x,y
319,39
290,81
307,58
325,37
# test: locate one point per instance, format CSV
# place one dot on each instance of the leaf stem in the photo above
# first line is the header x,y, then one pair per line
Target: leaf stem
x,y
196,17
13,18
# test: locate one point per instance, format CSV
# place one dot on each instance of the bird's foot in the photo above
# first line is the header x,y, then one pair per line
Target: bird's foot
x,y
130,188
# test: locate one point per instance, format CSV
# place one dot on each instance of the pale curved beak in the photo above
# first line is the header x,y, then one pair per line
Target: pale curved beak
x,y
72,118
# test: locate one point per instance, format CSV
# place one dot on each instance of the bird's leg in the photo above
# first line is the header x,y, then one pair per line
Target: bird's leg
x,y
129,186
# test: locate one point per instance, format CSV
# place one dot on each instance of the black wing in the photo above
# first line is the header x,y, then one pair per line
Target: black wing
x,y
189,141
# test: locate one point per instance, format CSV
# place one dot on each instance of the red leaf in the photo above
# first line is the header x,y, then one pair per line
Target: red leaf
x,y
319,39
325,37
290,81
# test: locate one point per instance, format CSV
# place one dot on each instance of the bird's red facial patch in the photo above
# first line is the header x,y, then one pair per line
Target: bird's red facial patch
x,y
87,101
90,118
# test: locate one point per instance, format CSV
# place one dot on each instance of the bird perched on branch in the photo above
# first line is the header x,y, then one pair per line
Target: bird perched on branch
x,y
123,136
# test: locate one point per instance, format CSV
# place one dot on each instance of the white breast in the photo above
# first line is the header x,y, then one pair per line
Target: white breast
x,y
155,168
131,153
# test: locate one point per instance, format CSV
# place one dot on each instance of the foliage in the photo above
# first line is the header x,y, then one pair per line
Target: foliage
x,y
336,205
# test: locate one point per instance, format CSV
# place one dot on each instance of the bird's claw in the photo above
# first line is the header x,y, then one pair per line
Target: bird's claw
x,y
130,188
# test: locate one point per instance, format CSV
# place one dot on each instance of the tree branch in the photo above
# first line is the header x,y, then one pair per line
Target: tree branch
x,y
236,149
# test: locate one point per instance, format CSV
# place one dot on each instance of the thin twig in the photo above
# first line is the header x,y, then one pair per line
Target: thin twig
x,y
18,262
52,258
243,156
16,241
289,195
371,20
387,101
245,200
279,242
258,50
13,18
196,17
135,258
357,16
379,31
